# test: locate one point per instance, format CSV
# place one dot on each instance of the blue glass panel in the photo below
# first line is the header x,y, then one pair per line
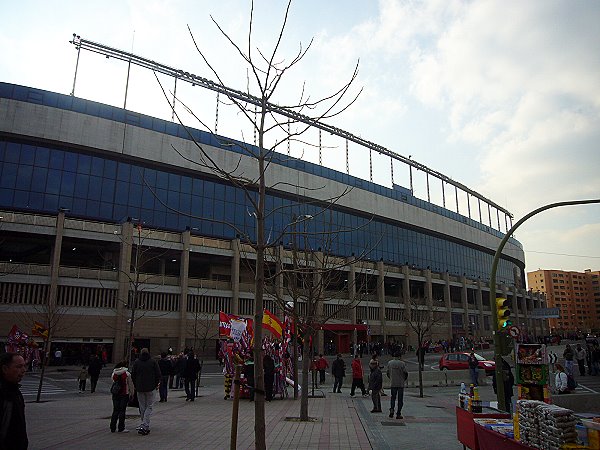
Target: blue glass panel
x,y
81,185
186,185
53,181
150,177
56,159
174,182
106,211
36,200
135,194
162,180
24,176
110,169
21,199
12,152
66,202
93,208
160,219
27,154
67,185
122,192
123,172
209,189
6,196
171,221
147,198
79,206
173,199
9,175
97,166
42,157
51,202
70,162
108,190
95,188
84,165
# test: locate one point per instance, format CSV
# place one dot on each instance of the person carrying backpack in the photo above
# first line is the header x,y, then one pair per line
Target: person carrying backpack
x,y
122,378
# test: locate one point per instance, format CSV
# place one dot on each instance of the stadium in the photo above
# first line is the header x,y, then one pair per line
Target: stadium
x,y
95,204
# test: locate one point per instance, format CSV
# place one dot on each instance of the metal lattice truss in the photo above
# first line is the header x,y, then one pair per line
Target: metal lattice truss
x,y
181,75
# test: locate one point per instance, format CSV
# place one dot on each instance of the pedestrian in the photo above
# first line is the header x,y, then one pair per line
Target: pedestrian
x,y
509,381
249,375
357,376
120,399
552,359
596,360
13,428
473,368
580,355
190,374
561,380
397,373
166,370
568,354
269,370
338,370
82,378
178,369
94,369
146,378
322,366
375,385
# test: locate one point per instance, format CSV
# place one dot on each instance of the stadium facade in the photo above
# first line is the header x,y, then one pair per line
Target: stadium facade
x,y
81,183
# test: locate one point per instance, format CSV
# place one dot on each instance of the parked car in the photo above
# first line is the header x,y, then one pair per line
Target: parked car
x,y
460,361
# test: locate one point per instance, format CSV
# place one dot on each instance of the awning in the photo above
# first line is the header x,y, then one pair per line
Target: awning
x,y
344,327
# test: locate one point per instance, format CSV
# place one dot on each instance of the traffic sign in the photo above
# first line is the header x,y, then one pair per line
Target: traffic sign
x,y
514,331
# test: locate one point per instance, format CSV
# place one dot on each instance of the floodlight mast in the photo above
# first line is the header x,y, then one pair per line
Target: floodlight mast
x,y
245,97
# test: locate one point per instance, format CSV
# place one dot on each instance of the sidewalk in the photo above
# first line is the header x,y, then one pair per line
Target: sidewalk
x,y
81,422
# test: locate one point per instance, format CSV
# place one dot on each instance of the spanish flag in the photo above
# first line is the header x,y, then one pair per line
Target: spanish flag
x,y
39,330
272,323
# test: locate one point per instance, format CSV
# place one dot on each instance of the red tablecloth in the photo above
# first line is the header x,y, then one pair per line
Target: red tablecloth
x,y
465,427
490,440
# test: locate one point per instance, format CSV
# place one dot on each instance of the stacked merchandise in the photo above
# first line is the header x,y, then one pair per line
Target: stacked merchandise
x,y
545,426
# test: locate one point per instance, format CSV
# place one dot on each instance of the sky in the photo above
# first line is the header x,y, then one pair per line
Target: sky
x,y
501,96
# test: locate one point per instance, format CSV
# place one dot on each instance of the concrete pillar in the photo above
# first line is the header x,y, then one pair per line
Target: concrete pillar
x,y
407,304
184,269
479,300
51,308
318,283
429,293
120,353
352,299
448,303
465,303
381,298
235,276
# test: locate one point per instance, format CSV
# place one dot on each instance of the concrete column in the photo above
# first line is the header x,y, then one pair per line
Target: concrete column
x,y
184,269
429,293
318,283
235,276
352,299
51,307
120,353
407,306
465,303
381,298
479,300
448,303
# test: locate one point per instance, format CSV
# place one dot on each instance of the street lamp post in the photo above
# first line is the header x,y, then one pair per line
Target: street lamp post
x,y
497,337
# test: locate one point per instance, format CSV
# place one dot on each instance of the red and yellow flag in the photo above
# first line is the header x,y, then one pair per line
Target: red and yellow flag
x,y
272,323
39,330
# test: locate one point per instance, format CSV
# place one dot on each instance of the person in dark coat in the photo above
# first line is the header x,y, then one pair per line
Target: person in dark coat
x,y
13,429
338,370
269,368
94,370
146,378
166,370
509,381
375,385
190,373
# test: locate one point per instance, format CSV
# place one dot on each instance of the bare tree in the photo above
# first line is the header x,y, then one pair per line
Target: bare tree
x,y
265,73
421,320
204,331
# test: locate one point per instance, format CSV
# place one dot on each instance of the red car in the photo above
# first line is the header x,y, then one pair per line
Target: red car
x,y
460,361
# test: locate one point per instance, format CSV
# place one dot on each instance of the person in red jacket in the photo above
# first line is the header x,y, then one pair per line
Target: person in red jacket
x,y
357,377
322,366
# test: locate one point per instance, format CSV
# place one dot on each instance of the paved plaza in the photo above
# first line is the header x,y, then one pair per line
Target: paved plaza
x,y
81,422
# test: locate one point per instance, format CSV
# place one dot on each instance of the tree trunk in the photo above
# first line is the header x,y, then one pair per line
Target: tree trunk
x,y
305,369
47,346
